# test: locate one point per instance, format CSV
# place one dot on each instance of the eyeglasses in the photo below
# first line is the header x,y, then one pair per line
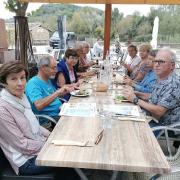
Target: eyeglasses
x,y
159,61
54,68
73,57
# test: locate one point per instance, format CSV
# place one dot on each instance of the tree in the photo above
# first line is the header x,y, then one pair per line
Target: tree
x,y
17,7
22,36
115,19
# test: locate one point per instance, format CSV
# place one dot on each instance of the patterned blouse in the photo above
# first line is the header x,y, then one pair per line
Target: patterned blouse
x,y
166,93
142,67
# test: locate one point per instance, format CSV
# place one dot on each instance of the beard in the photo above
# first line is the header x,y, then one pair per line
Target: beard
x,y
52,77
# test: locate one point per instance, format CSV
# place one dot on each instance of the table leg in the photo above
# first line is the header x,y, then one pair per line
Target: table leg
x,y
81,174
114,175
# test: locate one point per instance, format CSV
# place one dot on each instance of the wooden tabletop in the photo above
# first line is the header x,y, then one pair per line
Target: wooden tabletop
x,y
126,146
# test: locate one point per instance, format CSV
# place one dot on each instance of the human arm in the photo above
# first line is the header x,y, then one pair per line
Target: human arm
x,y
127,80
142,71
86,74
137,86
44,102
44,132
91,63
127,66
139,76
11,132
141,95
61,79
156,111
146,85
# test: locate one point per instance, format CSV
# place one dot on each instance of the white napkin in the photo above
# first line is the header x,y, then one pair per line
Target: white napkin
x,y
70,143
89,143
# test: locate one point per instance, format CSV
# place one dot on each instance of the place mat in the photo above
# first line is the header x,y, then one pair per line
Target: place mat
x,y
78,109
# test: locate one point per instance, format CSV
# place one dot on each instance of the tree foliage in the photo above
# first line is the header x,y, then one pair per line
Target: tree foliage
x,y
17,7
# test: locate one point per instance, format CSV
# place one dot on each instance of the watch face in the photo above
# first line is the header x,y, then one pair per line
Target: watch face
x,y
135,100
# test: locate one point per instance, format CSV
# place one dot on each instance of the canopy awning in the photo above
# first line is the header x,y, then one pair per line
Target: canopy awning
x,y
107,1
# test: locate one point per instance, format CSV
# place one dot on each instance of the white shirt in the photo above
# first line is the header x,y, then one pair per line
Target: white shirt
x,y
97,49
134,61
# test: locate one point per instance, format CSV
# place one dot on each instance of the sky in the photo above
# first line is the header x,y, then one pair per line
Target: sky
x,y
126,9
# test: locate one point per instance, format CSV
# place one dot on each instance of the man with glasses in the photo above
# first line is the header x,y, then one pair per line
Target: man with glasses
x,y
42,94
164,101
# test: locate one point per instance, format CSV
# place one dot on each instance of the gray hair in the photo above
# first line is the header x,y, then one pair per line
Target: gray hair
x,y
171,53
84,43
45,60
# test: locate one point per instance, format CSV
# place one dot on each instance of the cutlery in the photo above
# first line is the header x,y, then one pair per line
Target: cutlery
x,y
99,137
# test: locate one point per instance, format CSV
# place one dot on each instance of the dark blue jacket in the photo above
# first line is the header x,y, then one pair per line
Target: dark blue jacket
x,y
62,68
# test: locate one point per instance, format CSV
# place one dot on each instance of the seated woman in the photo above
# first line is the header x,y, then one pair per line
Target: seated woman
x,y
85,61
66,73
82,65
149,80
21,136
139,71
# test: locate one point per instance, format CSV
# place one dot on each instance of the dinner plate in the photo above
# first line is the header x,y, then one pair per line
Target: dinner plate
x,y
76,93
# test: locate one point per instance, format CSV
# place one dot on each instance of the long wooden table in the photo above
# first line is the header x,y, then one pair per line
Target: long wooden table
x,y
126,146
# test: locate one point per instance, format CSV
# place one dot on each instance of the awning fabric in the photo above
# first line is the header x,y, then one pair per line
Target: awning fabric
x,y
107,1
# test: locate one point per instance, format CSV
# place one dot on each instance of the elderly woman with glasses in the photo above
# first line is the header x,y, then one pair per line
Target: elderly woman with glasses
x,y
66,72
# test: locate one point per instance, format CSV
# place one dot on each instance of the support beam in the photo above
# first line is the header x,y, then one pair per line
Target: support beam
x,y
107,28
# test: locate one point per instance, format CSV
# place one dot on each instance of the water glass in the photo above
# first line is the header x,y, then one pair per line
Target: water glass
x,y
105,117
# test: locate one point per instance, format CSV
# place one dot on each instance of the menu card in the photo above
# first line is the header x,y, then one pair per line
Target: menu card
x,y
122,110
78,109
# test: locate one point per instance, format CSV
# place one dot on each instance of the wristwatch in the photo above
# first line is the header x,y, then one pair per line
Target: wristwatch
x,y
135,100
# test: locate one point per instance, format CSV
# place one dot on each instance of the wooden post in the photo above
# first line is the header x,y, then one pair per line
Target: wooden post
x,y
107,28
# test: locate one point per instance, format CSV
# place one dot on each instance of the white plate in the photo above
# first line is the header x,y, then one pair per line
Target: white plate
x,y
75,93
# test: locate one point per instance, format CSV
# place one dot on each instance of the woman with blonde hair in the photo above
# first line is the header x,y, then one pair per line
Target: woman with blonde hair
x,y
142,68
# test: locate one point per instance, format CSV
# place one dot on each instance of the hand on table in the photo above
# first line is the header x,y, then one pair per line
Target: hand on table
x,y
127,80
65,89
128,93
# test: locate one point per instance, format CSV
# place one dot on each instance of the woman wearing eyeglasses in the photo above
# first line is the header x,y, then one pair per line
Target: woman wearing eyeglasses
x,y
66,72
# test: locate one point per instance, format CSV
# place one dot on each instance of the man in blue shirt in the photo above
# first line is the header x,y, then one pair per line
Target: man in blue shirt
x,y
41,93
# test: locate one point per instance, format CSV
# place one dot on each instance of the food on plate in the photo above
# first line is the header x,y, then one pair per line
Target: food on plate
x,y
82,92
119,99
